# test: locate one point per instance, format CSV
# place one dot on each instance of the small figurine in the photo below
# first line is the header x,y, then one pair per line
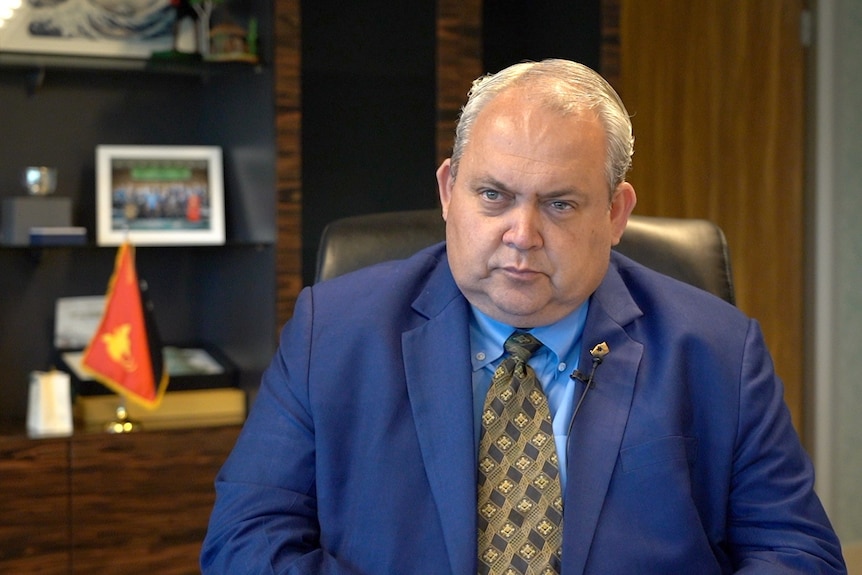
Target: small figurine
x,y
231,42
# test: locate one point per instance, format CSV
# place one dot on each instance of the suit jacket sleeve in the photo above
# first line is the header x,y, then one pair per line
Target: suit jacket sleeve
x,y
265,516
776,522
684,458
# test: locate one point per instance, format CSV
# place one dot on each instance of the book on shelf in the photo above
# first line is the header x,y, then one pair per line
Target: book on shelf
x,y
58,236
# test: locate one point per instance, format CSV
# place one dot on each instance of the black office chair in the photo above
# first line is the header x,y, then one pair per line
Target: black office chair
x,y
691,250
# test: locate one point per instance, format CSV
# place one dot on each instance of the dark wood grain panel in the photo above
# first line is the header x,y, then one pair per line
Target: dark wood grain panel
x,y
459,62
288,158
141,502
609,52
34,505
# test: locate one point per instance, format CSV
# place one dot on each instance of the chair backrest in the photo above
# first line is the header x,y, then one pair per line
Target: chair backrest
x,y
691,250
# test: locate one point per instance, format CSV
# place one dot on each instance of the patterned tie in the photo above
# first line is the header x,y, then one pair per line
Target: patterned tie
x,y
519,497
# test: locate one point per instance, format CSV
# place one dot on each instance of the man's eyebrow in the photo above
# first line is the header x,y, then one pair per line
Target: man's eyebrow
x,y
489,182
564,193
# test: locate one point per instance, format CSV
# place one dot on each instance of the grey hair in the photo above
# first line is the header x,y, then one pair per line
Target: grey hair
x,y
566,87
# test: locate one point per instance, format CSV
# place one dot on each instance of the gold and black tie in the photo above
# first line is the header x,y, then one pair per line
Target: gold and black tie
x,y
519,497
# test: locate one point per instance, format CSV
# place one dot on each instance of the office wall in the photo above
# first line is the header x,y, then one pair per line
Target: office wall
x,y
517,30
837,389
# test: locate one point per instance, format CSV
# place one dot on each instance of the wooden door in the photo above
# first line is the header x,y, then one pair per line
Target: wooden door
x,y
716,90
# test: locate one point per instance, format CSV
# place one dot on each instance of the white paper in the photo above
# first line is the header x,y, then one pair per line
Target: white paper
x,y
74,361
49,411
190,361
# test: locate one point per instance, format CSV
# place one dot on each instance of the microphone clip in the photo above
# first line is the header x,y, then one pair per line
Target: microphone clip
x,y
580,376
598,354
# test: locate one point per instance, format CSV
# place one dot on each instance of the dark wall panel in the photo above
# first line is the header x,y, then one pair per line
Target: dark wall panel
x,y
516,30
368,111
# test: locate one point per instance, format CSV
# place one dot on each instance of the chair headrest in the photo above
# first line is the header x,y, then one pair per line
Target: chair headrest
x,y
691,250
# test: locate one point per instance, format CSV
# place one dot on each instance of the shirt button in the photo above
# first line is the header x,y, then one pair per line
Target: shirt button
x,y
561,367
480,356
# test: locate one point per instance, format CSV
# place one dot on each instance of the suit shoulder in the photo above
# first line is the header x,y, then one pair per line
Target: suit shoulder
x,y
656,292
383,288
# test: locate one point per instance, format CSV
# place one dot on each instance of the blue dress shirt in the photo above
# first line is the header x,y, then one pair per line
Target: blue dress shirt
x,y
553,363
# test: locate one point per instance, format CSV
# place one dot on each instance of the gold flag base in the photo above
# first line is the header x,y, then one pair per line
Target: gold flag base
x,y
122,424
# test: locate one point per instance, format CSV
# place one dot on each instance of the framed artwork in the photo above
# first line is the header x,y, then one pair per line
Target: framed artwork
x,y
128,29
159,195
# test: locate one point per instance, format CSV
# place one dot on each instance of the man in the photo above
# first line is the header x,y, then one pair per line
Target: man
x,y
371,448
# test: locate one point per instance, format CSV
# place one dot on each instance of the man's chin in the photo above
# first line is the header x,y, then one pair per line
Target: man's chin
x,y
524,314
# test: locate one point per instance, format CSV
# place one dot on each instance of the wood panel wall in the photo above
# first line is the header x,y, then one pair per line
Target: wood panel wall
x,y
288,158
609,55
717,93
459,62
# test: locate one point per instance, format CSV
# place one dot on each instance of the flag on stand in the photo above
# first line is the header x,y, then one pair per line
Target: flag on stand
x,y
125,353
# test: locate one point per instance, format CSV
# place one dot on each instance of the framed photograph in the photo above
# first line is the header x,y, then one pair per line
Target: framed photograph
x,y
159,195
131,29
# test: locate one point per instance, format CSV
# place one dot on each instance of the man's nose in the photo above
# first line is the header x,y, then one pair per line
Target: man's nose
x,y
524,228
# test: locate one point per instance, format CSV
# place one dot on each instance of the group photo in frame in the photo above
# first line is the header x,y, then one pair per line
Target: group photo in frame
x,y
133,29
159,195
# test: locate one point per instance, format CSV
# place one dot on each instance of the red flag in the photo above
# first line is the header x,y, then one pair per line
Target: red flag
x,y
123,354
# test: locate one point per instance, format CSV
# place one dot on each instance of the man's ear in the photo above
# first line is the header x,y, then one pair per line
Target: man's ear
x,y
622,204
444,185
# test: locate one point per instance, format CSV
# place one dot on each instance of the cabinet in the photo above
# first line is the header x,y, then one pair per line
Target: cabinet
x,y
220,296
34,503
99,503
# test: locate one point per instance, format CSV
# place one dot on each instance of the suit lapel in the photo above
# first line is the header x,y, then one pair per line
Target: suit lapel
x,y
597,431
441,399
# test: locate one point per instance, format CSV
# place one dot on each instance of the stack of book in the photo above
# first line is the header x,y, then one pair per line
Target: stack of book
x,y
191,408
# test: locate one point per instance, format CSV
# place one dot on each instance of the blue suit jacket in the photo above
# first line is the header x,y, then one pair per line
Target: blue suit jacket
x,y
358,455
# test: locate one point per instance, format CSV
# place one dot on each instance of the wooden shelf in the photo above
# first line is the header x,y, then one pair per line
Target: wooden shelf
x,y
187,67
36,66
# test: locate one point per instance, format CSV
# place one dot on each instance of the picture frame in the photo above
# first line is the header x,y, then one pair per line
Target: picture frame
x,y
80,28
159,195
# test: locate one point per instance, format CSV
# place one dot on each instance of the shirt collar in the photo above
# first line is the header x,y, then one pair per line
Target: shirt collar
x,y
488,335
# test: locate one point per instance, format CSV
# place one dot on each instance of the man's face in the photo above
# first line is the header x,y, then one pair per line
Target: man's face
x,y
529,223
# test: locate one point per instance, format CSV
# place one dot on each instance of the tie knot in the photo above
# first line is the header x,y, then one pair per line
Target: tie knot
x,y
522,345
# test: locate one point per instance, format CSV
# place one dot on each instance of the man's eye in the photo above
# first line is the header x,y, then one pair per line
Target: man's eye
x,y
491,195
561,206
